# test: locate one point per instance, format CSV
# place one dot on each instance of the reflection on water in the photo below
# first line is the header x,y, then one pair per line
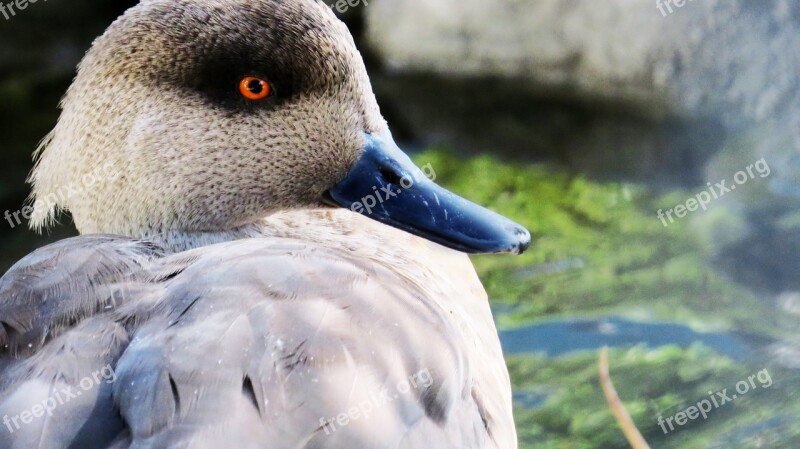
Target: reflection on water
x,y
557,338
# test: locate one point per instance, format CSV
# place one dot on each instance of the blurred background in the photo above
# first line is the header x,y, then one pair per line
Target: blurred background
x,y
581,120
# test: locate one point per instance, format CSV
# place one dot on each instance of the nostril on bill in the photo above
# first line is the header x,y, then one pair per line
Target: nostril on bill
x,y
391,175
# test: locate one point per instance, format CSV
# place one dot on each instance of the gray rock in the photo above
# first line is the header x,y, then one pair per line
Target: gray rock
x,y
656,93
598,48
617,89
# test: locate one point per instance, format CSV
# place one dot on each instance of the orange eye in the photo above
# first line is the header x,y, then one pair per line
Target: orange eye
x,y
254,88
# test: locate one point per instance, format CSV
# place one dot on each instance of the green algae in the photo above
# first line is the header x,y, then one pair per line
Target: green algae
x,y
599,249
653,384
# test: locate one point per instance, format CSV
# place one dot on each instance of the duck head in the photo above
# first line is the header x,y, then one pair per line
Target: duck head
x,y
203,116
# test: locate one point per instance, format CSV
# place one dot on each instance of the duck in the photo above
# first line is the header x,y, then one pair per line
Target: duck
x,y
259,264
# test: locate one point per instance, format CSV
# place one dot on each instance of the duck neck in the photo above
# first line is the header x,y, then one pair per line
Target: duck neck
x,y
413,258
336,229
176,241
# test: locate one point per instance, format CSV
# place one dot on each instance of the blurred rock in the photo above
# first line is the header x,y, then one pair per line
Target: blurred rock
x,y
593,48
669,96
699,75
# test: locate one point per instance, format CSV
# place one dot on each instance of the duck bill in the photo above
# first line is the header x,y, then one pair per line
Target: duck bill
x,y
387,187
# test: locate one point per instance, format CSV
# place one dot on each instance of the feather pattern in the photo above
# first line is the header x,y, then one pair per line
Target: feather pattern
x,y
269,342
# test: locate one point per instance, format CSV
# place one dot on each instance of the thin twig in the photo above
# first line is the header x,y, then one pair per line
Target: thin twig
x,y
620,412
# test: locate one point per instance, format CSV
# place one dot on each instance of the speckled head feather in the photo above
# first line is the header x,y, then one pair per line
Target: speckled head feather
x,y
154,137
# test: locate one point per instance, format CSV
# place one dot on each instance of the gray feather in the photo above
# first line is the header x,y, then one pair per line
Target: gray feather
x,y
252,344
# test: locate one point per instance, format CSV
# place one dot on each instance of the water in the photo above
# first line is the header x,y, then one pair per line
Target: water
x,y
556,338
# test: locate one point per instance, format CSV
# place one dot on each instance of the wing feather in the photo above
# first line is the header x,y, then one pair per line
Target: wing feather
x,y
267,343
59,285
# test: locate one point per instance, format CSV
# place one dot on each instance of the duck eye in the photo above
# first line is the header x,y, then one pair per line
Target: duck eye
x,y
254,88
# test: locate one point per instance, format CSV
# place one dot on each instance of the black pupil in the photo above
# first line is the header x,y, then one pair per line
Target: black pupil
x,y
256,87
